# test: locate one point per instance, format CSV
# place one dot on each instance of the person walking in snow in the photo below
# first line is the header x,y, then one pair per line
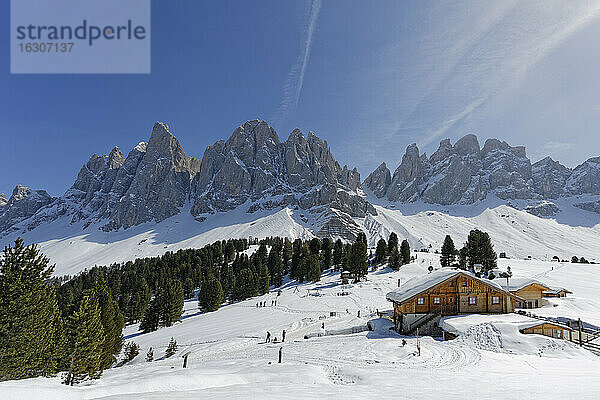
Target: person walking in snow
x,y
268,337
323,325
283,336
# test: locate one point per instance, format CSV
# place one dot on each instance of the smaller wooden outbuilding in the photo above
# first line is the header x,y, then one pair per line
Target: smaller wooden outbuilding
x,y
528,289
556,292
550,329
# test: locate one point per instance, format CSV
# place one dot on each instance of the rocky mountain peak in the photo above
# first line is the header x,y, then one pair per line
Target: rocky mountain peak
x,y
23,204
379,180
3,200
468,144
115,158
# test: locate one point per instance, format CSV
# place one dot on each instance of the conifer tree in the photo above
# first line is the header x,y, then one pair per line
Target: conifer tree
x,y
245,285
286,254
381,252
112,323
275,266
312,267
171,348
392,242
150,355
338,250
449,252
31,332
395,260
188,289
210,296
357,259
132,349
478,250
405,252
151,318
171,302
264,280
326,251
86,339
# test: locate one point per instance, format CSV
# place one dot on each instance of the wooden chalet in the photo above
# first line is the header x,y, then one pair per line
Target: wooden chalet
x,y
528,289
551,329
423,300
556,292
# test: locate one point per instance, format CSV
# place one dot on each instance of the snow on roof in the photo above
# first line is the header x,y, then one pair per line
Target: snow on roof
x,y
556,290
516,284
421,283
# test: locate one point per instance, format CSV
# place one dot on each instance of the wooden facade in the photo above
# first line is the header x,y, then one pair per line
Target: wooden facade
x,y
551,330
459,294
532,295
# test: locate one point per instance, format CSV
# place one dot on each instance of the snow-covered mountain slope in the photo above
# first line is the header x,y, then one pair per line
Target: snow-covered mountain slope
x,y
513,231
229,359
73,248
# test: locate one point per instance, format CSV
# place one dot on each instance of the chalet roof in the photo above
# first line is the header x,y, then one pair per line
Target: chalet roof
x,y
516,284
556,290
532,324
421,283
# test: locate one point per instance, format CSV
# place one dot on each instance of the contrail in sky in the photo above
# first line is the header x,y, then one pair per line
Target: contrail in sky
x,y
295,80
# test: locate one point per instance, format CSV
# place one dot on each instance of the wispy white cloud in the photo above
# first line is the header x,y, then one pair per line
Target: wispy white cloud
x,y
295,79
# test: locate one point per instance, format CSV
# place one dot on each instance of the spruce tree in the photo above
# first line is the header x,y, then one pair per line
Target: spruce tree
x,y
478,250
338,250
275,266
188,289
245,285
405,252
312,267
326,251
132,349
171,302
86,340
31,332
112,323
151,318
150,355
210,296
449,252
171,348
392,242
381,252
357,259
264,280
286,254
395,260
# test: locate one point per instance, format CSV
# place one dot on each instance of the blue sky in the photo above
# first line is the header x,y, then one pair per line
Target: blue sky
x,y
369,77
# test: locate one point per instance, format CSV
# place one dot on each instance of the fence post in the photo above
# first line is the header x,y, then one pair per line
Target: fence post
x,y
580,334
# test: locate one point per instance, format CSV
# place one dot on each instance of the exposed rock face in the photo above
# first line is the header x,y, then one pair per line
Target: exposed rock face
x,y
157,179
23,204
543,209
160,185
463,173
3,201
585,178
379,181
254,164
549,178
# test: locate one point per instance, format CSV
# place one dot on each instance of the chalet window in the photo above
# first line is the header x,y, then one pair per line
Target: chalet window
x,y
436,300
472,300
420,300
451,283
464,283
495,300
558,333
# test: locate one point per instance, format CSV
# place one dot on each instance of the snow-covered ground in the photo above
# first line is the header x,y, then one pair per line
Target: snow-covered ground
x,y
229,359
572,232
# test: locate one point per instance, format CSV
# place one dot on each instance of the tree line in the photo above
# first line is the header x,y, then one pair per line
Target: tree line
x,y
75,323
